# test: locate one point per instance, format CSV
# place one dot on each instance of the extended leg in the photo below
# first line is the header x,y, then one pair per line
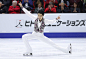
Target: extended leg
x,y
50,42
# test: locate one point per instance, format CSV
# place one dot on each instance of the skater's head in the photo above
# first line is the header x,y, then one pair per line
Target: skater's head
x,y
40,14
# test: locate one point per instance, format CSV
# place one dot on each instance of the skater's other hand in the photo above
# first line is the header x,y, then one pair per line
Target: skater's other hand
x,y
20,4
58,17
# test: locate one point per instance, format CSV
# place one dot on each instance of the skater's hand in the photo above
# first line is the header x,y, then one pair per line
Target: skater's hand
x,y
58,17
20,4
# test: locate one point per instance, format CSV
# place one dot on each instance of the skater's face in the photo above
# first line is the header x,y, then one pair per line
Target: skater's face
x,y
40,16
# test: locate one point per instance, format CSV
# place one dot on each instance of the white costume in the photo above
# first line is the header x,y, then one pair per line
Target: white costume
x,y
39,36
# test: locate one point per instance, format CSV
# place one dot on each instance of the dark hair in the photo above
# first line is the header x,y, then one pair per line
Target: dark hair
x,y
41,12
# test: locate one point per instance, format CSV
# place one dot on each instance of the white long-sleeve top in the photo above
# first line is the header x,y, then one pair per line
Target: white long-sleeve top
x,y
34,18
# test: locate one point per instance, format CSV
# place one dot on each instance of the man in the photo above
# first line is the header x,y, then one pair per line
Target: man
x,y
14,9
18,1
73,1
63,8
37,2
75,9
62,1
39,8
2,8
50,9
39,26
28,4
6,3
55,2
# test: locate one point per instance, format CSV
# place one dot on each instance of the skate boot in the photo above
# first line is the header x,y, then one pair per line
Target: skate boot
x,y
27,54
70,48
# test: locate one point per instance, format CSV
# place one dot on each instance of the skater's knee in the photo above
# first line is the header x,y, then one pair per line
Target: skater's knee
x,y
23,36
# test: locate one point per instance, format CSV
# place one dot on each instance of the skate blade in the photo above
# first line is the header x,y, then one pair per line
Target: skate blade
x,y
70,49
27,55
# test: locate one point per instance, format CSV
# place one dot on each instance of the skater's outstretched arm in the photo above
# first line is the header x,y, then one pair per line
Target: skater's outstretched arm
x,y
27,12
51,21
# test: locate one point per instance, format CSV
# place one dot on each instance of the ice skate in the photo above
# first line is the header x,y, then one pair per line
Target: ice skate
x,y
27,54
70,48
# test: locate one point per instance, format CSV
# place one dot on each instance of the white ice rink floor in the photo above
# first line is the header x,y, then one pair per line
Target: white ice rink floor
x,y
14,49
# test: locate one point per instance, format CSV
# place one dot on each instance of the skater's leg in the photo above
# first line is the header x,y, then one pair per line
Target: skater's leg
x,y
25,39
50,42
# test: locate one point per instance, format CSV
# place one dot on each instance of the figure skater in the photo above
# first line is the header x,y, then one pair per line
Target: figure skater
x,y
39,26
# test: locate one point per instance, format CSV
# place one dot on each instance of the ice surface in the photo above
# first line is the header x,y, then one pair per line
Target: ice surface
x,y
14,49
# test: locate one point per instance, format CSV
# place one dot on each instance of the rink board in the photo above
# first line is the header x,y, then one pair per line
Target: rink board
x,y
50,35
71,25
